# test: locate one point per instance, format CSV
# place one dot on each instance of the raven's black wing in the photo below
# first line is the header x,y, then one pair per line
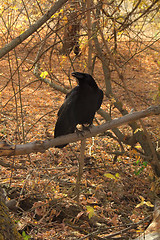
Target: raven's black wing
x,y
66,122
69,96
99,99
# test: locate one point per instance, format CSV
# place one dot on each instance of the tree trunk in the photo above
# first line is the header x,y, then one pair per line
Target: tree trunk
x,y
100,54
71,31
8,229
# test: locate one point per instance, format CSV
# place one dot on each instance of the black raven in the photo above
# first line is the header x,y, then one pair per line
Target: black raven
x,y
79,106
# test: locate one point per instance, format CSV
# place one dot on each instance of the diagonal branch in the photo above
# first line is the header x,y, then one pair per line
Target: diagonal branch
x,y
42,146
33,28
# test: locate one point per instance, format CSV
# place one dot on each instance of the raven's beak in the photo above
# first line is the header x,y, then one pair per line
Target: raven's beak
x,y
77,75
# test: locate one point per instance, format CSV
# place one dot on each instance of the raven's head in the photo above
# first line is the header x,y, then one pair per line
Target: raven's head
x,y
84,78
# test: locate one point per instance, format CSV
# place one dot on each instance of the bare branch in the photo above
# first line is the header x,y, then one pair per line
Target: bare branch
x,y
42,146
33,28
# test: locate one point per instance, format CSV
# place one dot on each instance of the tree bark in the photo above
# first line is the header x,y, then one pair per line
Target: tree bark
x,y
8,229
100,54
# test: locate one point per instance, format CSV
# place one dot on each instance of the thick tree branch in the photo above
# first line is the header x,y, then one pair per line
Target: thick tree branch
x,y
33,28
42,146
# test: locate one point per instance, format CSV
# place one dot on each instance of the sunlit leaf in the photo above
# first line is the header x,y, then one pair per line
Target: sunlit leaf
x,y
138,130
149,204
117,175
109,175
44,74
90,211
143,202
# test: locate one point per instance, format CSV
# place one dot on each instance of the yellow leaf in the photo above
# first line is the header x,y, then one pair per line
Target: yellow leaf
x,y
143,202
149,204
44,74
117,175
138,147
140,204
138,130
90,211
120,33
141,198
109,175
65,18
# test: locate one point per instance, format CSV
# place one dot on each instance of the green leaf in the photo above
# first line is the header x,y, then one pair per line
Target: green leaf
x,y
25,236
145,163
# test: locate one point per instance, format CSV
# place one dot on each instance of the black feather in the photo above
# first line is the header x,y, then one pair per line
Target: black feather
x,y
79,106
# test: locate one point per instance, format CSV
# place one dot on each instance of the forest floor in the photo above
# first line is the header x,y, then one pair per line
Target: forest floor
x,y
43,184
